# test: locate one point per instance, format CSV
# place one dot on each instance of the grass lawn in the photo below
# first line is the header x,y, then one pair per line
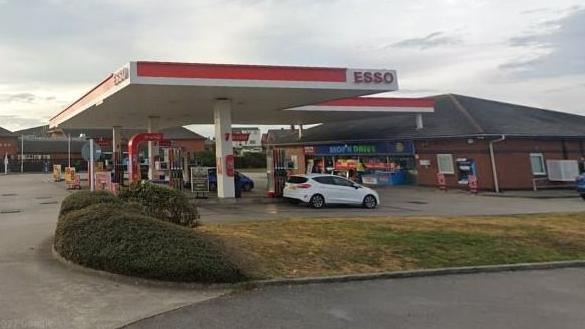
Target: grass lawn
x,y
296,248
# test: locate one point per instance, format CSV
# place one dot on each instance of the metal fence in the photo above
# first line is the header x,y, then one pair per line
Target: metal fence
x,y
41,166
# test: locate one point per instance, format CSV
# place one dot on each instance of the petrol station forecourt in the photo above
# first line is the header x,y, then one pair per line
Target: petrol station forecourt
x,y
157,95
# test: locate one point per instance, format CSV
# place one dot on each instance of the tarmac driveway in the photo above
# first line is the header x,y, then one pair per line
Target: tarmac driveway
x,y
395,201
508,300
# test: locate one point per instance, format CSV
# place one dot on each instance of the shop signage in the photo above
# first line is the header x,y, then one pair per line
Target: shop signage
x,y
69,175
309,150
199,180
121,75
103,181
373,77
404,147
57,173
103,141
356,148
240,136
369,180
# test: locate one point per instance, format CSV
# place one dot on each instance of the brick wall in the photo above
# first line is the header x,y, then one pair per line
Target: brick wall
x,y
300,154
512,159
190,145
8,145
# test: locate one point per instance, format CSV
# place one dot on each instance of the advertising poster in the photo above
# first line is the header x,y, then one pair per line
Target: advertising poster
x,y
57,173
69,174
199,180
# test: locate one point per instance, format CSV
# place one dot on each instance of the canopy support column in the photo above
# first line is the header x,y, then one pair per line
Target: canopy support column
x,y
222,118
117,153
152,148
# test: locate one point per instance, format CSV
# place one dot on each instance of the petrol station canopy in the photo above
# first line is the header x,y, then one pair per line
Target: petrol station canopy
x,y
180,94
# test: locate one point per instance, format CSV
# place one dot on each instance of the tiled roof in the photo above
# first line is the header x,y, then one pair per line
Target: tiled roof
x,y
454,116
44,145
5,132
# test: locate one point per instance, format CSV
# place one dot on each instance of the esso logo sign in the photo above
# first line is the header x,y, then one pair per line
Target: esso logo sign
x,y
376,77
121,75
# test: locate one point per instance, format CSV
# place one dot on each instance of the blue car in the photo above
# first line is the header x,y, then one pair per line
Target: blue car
x,y
580,181
246,183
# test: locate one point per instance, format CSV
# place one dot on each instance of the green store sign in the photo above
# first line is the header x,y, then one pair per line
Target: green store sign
x,y
402,147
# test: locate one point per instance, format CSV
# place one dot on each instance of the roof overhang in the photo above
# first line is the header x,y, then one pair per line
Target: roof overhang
x,y
372,104
184,93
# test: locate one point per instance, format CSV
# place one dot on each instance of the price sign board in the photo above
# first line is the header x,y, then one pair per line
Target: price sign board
x,y
57,173
199,180
69,174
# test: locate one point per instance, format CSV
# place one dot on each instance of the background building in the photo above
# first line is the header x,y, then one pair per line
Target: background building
x,y
8,141
8,146
247,139
44,147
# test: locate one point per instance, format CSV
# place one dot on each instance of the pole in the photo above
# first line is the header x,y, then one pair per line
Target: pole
x,y
493,161
21,153
91,164
69,151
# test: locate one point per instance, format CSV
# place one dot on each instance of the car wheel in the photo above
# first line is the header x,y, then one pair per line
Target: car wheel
x,y
317,201
247,187
583,196
370,202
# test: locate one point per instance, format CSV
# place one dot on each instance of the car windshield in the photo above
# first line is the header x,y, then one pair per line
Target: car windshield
x,y
297,180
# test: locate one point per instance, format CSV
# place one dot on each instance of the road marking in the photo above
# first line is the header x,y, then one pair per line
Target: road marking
x,y
9,211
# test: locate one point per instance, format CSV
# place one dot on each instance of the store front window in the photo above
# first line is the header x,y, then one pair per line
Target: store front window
x,y
386,163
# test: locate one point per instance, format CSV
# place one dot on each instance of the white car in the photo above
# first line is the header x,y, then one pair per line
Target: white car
x,y
319,189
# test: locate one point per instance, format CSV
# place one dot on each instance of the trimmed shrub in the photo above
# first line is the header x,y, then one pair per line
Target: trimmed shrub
x,y
251,160
110,238
82,199
163,203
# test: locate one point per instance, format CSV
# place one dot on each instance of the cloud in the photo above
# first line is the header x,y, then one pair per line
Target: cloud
x,y
558,51
577,86
13,122
56,50
535,11
24,97
433,40
18,97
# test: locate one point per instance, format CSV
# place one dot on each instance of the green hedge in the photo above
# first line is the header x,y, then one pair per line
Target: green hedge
x,y
163,203
251,160
109,237
82,199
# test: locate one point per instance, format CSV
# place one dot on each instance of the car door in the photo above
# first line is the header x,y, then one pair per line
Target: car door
x,y
328,189
345,190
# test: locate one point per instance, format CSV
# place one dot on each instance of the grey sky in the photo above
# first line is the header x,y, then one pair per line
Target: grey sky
x,y
523,51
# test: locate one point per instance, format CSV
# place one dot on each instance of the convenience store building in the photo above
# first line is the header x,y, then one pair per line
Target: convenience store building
x,y
506,146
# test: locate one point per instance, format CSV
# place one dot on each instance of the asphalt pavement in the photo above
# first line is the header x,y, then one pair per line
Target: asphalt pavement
x,y
509,300
36,291
395,201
